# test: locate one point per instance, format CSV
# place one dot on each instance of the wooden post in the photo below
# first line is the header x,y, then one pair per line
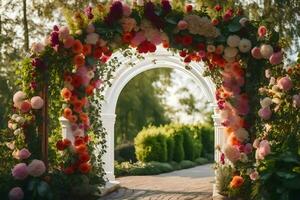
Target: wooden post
x,y
44,126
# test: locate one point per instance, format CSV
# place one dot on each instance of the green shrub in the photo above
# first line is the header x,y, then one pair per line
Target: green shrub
x,y
188,143
175,165
187,164
162,167
151,145
201,161
178,142
198,146
125,152
207,133
170,144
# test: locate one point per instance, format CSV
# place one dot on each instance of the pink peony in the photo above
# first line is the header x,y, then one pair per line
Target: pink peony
x,y
90,28
23,154
232,153
37,47
138,38
285,83
126,10
265,113
37,102
256,53
25,106
156,39
262,31
296,101
92,38
276,58
36,168
20,171
16,193
63,32
68,42
19,97
182,25
254,175
263,150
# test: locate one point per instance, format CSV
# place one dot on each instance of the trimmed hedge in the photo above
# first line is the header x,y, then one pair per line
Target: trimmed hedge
x,y
151,145
125,152
174,142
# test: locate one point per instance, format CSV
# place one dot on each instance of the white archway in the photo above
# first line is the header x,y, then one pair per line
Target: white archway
x,y
125,73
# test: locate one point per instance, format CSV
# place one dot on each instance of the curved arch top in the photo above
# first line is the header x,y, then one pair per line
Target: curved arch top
x,y
163,59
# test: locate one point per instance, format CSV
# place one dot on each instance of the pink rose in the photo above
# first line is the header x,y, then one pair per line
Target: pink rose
x,y
126,10
23,154
256,53
182,25
20,171
63,32
296,101
36,168
276,58
68,42
248,148
285,83
18,98
262,31
25,106
265,113
138,38
16,193
232,153
37,47
263,150
254,175
37,102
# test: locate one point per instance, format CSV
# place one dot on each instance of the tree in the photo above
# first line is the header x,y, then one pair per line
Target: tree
x,y
140,104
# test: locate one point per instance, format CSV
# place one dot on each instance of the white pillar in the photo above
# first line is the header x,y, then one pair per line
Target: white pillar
x,y
220,137
108,121
66,129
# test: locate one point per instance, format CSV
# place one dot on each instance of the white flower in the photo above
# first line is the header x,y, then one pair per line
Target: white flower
x,y
92,38
266,51
230,52
20,120
18,131
243,21
272,81
14,126
245,45
140,2
14,117
233,41
211,48
241,134
266,102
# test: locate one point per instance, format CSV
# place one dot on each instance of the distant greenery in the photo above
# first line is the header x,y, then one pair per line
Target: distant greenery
x,y
140,104
189,141
154,167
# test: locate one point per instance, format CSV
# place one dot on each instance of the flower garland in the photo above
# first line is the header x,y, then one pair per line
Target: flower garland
x,y
231,46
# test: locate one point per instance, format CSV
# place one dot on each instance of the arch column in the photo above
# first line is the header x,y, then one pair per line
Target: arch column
x,y
108,120
219,133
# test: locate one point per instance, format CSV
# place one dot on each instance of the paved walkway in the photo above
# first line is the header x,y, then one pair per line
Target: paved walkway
x,y
194,183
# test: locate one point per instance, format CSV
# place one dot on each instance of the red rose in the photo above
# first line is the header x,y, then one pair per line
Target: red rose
x,y
178,39
97,53
67,142
201,46
81,148
84,157
187,40
218,7
187,59
84,168
86,138
182,53
215,22
151,47
76,81
127,37
60,145
189,8
78,141
68,170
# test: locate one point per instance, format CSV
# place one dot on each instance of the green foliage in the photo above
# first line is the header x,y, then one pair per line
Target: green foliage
x,y
187,164
224,177
279,177
188,143
201,161
207,133
178,143
170,145
140,104
125,152
150,145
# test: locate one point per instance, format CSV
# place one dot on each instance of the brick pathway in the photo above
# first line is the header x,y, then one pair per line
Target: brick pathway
x,y
194,183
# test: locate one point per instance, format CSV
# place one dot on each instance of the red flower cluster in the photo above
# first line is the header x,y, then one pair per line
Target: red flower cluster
x,y
146,47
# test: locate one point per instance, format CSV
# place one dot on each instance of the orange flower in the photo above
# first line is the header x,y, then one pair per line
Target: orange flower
x,y
84,168
73,119
81,148
232,140
79,60
66,94
84,101
84,116
237,182
87,49
77,47
89,90
67,113
166,44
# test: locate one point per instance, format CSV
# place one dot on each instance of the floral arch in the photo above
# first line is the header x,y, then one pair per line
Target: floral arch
x,y
61,76
161,59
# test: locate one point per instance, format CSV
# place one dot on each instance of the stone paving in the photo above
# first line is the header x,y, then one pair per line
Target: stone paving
x,y
194,183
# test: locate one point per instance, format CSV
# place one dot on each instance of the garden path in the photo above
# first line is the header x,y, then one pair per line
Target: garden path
x,y
194,183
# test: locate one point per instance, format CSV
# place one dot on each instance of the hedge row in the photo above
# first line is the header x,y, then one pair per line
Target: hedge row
x,y
174,143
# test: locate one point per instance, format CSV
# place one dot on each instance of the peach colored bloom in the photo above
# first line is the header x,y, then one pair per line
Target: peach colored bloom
x,y
237,181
